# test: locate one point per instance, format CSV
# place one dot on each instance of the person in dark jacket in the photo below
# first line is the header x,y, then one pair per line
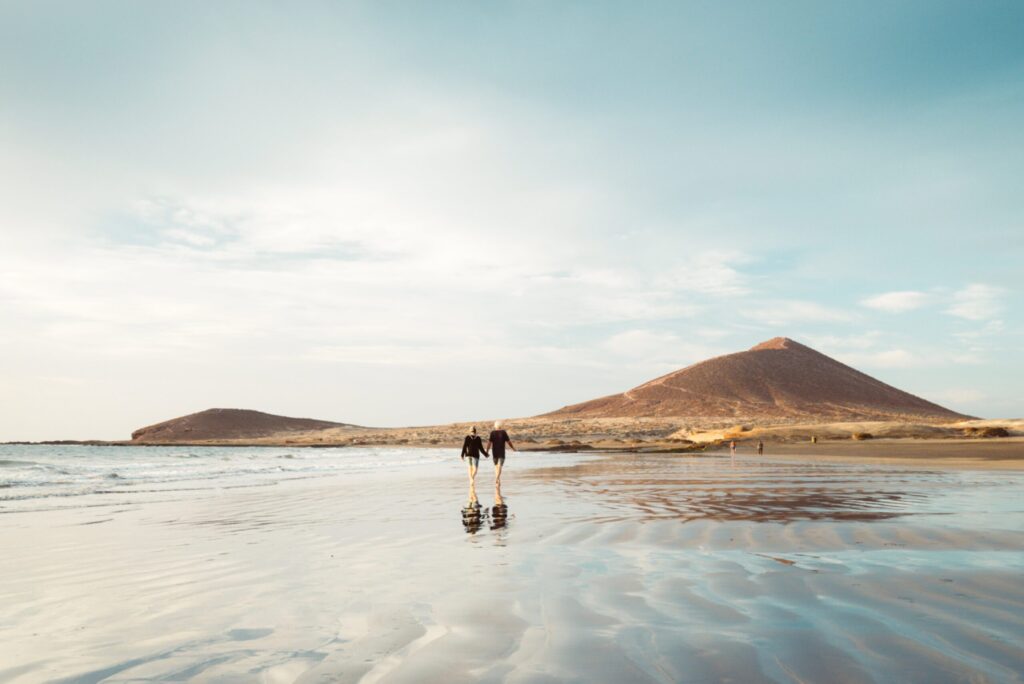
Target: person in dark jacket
x,y
497,441
471,448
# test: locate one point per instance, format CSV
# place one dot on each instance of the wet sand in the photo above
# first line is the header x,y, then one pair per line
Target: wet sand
x,y
625,568
982,454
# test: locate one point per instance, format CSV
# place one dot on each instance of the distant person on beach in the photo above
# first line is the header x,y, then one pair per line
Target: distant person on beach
x,y
496,443
732,447
760,448
471,448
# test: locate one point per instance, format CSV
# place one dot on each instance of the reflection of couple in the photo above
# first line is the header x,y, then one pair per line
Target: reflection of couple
x,y
474,516
473,446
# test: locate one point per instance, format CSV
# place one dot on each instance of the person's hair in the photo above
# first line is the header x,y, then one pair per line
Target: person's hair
x,y
497,425
472,428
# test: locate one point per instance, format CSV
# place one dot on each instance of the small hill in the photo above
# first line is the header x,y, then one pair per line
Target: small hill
x,y
777,380
223,424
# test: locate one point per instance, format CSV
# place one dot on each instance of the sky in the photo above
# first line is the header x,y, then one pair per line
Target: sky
x,y
390,213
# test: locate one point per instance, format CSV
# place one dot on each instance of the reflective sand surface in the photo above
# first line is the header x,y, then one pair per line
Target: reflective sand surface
x,y
586,569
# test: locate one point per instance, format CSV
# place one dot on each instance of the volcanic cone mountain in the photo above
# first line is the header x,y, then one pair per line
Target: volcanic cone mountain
x,y
778,380
218,424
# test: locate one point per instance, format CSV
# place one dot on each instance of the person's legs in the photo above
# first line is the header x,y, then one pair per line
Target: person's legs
x,y
498,463
473,465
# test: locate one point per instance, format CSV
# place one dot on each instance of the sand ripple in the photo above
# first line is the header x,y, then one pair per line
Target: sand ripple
x,y
653,569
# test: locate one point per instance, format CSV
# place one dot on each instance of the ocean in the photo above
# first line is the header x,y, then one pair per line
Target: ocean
x,y
40,476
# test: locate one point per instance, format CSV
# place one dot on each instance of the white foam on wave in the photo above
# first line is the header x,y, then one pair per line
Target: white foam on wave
x,y
45,471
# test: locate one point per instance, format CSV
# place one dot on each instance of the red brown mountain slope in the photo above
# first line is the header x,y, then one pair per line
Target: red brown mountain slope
x,y
226,424
777,380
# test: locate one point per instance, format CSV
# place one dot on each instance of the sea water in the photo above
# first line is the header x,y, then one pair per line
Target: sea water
x,y
41,476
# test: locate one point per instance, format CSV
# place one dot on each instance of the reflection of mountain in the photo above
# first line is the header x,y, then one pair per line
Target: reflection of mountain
x,y
777,380
711,488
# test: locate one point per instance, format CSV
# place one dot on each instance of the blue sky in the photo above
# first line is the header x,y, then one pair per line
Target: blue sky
x,y
395,213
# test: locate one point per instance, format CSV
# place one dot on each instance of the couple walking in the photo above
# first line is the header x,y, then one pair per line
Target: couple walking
x,y
473,446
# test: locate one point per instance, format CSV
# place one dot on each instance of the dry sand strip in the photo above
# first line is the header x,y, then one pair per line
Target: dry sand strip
x,y
1002,454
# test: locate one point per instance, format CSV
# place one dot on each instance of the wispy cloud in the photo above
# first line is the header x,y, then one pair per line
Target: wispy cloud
x,y
788,312
714,272
897,302
990,329
658,346
909,358
958,396
655,352
977,302
844,343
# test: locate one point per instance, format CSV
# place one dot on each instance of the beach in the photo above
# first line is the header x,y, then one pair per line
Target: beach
x,y
358,565
971,454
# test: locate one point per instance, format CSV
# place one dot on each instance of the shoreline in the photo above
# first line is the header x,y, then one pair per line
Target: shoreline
x,y
1002,453
679,434
651,434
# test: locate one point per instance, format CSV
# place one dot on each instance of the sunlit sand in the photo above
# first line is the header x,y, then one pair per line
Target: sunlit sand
x,y
588,569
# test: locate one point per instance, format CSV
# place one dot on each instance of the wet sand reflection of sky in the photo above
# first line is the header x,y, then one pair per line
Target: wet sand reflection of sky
x,y
736,489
